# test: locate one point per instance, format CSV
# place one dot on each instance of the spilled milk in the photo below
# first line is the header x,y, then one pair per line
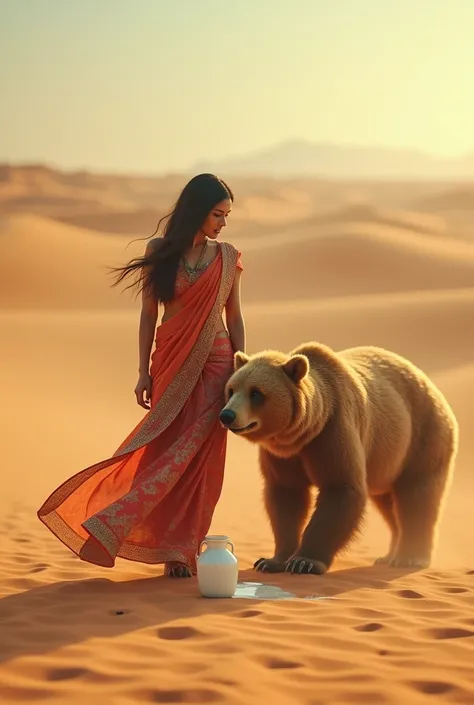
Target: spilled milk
x,y
261,591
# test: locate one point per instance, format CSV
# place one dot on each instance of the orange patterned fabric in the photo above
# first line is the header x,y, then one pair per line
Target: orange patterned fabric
x,y
153,500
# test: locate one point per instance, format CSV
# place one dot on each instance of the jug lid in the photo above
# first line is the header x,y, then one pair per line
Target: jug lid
x,y
216,537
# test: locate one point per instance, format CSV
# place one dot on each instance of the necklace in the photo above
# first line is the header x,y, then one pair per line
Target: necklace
x,y
193,272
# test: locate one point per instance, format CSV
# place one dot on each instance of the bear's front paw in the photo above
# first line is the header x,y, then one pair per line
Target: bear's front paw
x,y
269,565
302,565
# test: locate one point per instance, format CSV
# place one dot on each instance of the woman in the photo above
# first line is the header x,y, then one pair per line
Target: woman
x,y
153,500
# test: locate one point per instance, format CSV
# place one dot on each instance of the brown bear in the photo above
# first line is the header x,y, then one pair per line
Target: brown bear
x,y
355,424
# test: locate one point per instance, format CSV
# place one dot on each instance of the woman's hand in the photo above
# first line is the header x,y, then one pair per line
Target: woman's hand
x,y
143,387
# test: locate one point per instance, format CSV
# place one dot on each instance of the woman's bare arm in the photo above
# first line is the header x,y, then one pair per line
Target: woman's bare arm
x,y
146,335
234,315
147,326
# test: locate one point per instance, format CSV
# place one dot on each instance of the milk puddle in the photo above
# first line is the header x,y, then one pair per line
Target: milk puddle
x,y
260,591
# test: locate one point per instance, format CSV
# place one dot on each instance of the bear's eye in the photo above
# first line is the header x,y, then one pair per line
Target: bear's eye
x,y
256,397
230,392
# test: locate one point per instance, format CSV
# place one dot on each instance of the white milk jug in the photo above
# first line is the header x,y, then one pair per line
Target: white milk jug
x,y
217,567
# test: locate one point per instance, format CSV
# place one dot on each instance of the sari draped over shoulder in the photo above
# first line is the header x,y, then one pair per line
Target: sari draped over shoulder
x,y
153,499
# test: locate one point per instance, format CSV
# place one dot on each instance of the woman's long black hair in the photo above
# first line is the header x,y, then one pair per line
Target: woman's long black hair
x,y
156,270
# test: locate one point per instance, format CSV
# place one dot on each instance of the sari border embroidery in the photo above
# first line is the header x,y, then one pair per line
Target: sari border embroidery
x,y
174,398
105,554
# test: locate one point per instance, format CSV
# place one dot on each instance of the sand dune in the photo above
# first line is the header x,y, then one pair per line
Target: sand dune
x,y
133,204
133,223
453,199
42,182
72,633
66,266
368,213
429,327
49,265
454,206
350,260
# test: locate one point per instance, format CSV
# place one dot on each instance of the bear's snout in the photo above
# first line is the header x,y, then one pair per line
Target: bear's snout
x,y
227,416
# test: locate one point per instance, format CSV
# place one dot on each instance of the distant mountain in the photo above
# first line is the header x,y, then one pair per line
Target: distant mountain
x,y
300,158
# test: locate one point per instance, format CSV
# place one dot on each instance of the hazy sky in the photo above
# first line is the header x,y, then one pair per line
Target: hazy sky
x,y
156,85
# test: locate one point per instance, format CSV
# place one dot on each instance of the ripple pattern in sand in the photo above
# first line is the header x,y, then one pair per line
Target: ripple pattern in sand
x,y
71,632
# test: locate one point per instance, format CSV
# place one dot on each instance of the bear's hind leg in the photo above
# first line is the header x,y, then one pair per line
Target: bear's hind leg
x,y
385,503
419,495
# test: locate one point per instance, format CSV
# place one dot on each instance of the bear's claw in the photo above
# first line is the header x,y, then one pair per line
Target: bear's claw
x,y
382,560
305,566
269,565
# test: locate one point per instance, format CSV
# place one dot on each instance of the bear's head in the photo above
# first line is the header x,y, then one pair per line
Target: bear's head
x,y
268,397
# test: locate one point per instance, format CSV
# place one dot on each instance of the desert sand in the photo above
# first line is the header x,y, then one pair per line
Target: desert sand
x,y
344,263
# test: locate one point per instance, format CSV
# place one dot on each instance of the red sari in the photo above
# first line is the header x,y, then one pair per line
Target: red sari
x,y
153,500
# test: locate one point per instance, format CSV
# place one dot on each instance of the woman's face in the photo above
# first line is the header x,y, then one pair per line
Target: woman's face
x,y
217,219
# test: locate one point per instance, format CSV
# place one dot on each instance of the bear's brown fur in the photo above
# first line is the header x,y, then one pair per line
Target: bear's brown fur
x,y
356,424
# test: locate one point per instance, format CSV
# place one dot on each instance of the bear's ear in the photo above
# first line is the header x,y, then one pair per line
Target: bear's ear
x,y
296,368
240,359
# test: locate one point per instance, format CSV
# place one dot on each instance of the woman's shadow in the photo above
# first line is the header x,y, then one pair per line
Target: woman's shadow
x,y
46,618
